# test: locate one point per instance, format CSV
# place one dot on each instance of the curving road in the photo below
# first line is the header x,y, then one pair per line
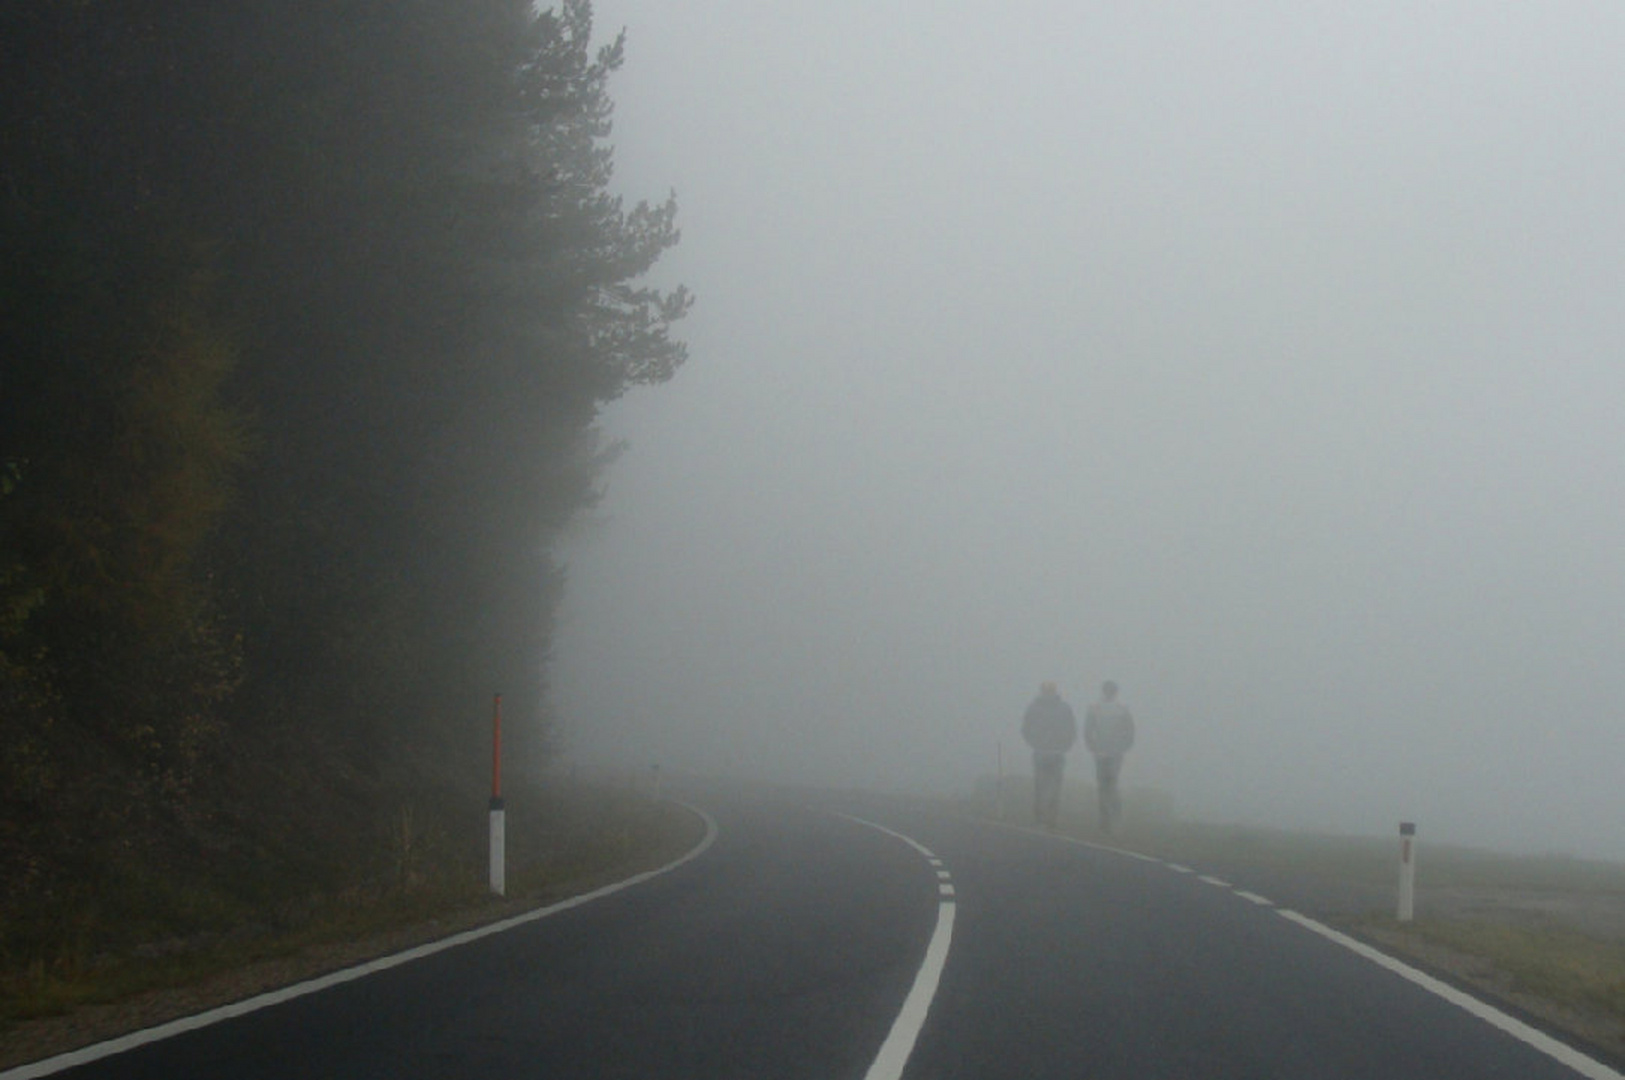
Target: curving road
x,y
807,943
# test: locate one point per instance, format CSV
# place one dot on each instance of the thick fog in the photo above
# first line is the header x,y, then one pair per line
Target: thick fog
x,y
1263,357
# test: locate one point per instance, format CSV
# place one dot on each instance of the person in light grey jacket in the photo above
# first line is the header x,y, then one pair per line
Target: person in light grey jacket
x,y
1108,732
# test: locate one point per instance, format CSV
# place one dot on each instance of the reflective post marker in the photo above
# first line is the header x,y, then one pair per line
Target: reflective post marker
x,y
1407,869
498,824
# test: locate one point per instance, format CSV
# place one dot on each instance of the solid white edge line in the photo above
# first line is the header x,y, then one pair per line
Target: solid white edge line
x,y
1255,898
97,1051
1209,880
1178,869
1560,1051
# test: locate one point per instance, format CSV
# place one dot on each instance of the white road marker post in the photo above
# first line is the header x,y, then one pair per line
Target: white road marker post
x,y
499,884
1407,869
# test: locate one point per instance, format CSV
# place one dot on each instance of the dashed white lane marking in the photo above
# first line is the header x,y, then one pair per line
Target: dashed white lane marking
x,y
944,875
275,997
1078,841
1094,845
905,1030
1130,854
1561,1052
929,855
1552,1048
1586,1066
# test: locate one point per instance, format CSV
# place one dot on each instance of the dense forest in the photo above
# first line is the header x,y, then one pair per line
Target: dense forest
x,y
308,307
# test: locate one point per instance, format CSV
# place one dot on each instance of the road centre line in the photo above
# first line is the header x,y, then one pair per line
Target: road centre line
x,y
1178,869
1255,898
905,1030
1565,1054
1220,882
97,1051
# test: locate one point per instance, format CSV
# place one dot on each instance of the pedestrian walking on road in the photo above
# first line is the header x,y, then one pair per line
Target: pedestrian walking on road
x,y
1050,728
1108,732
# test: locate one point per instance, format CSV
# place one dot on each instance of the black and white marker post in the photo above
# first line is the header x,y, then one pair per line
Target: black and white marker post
x,y
1407,869
498,815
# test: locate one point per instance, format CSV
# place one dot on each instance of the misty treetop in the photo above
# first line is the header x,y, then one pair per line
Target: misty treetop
x,y
308,308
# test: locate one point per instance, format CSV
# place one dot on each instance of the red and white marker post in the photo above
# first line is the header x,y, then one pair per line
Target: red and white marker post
x,y
498,814
1407,869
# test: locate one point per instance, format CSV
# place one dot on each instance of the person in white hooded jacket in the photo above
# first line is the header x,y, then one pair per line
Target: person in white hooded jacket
x,y
1108,732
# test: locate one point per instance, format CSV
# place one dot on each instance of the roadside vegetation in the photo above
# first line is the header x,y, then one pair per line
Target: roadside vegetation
x,y
209,930
1559,968
307,310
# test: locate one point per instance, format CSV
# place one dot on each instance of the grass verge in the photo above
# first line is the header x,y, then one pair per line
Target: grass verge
x,y
116,964
1554,962
1572,980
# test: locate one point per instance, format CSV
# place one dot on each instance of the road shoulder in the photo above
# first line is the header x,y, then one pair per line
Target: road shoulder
x,y
34,1040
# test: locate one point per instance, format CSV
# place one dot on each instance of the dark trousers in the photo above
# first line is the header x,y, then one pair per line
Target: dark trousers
x,y
1047,772
1111,803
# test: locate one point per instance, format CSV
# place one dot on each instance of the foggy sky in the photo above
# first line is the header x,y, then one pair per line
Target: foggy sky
x,y
1265,358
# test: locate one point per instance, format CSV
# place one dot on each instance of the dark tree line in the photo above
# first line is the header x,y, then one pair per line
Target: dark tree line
x,y
306,310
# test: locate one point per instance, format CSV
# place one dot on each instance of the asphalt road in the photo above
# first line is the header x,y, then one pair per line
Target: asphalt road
x,y
1072,961
789,947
